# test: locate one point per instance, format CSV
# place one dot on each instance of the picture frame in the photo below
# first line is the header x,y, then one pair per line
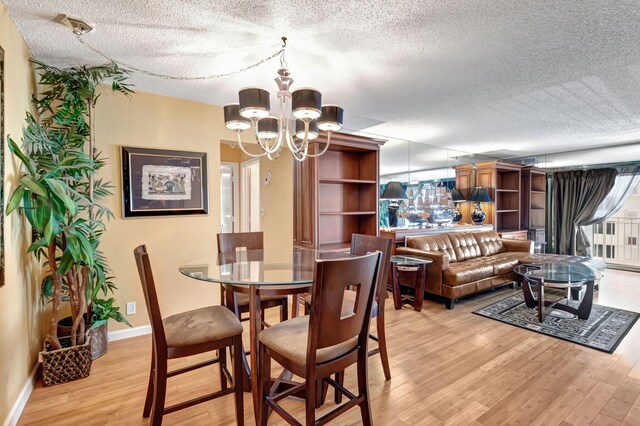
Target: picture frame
x,y
160,182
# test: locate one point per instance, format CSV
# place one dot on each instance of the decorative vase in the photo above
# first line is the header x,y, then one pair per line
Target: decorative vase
x,y
457,214
392,214
477,215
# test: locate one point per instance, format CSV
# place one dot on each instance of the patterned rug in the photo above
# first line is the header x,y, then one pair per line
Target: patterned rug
x,y
604,330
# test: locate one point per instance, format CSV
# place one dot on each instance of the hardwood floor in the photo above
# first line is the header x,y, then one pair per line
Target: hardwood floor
x,y
448,368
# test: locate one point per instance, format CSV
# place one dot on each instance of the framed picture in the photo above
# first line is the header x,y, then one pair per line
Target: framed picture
x,y
159,182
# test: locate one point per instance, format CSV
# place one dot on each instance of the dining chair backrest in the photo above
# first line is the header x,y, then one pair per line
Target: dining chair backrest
x,y
150,295
363,244
327,325
230,241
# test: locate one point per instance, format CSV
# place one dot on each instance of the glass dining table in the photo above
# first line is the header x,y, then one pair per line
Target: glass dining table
x,y
273,272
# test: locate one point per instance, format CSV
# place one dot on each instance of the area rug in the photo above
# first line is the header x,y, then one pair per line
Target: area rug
x,y
604,330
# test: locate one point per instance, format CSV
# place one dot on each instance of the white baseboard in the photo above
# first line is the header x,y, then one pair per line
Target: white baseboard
x,y
21,402
129,332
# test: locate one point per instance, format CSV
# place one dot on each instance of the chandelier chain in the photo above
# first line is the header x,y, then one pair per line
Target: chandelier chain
x,y
181,78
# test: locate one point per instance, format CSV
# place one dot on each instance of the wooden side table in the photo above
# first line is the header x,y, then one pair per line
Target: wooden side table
x,y
409,265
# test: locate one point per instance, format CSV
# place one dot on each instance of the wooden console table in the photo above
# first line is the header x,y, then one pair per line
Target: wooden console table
x,y
399,235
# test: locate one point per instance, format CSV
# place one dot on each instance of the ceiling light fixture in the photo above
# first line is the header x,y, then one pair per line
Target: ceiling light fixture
x,y
301,115
76,25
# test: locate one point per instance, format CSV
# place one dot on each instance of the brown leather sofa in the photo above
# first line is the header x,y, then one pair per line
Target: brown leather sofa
x,y
465,263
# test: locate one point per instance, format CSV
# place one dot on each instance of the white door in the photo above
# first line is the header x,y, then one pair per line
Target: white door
x,y
229,199
250,195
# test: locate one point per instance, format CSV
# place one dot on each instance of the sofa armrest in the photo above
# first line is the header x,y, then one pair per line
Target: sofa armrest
x,y
434,270
525,246
440,260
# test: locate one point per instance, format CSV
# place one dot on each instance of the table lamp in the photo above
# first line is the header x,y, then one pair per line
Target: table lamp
x,y
394,191
457,198
479,195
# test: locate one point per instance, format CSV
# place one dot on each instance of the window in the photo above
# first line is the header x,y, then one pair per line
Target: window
x,y
598,250
632,241
597,228
611,251
611,228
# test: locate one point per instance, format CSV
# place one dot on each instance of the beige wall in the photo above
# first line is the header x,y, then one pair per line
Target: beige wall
x,y
277,200
152,121
21,322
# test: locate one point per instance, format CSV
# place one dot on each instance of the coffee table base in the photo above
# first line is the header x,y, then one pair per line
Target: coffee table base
x,y
546,306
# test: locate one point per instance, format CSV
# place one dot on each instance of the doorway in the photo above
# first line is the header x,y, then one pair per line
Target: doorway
x,y
229,199
250,209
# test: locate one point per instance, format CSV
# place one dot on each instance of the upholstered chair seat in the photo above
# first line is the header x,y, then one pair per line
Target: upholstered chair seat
x,y
290,338
195,327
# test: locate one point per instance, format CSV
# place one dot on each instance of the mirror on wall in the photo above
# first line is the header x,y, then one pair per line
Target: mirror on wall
x,y
427,174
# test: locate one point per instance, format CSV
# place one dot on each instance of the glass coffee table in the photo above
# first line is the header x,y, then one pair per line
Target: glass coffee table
x,y
571,277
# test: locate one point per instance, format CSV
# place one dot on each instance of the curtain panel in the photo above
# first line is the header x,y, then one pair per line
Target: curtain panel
x,y
577,195
626,182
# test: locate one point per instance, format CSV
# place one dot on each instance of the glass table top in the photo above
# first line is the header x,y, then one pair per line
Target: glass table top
x,y
258,267
410,260
558,274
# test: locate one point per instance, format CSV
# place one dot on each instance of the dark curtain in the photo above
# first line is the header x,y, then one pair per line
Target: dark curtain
x,y
577,194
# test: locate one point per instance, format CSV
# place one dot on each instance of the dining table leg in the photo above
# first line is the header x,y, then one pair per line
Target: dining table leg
x,y
255,326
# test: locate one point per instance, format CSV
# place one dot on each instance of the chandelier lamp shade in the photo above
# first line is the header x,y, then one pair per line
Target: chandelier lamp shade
x,y
300,118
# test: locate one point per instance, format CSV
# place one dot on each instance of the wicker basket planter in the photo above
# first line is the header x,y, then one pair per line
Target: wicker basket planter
x,y
67,364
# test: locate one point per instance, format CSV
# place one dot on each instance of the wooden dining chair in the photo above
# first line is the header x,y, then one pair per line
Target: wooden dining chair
x,y
213,328
325,342
360,245
239,302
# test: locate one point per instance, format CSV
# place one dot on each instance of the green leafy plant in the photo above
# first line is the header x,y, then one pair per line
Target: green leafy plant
x,y
59,189
103,310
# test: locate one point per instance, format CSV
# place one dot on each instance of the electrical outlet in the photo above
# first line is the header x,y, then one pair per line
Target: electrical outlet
x,y
131,308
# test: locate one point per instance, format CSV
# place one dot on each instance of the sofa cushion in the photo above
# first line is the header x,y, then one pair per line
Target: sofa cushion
x,y
468,271
489,242
505,262
464,245
439,243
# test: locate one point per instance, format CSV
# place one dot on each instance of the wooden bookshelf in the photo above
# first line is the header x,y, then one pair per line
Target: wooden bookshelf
x,y
534,199
336,194
502,180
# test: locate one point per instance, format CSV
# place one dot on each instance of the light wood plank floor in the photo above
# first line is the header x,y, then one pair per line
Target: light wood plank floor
x,y
448,368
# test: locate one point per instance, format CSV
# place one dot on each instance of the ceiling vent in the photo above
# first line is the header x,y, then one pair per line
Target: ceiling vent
x,y
77,26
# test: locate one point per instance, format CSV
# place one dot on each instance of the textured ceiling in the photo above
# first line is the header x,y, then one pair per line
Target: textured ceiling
x,y
503,78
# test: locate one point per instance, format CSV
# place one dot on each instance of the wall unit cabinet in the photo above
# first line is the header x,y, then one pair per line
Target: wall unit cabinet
x,y
534,197
465,181
502,180
336,194
518,195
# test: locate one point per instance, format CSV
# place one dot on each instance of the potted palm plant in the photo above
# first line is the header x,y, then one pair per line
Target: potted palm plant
x,y
58,193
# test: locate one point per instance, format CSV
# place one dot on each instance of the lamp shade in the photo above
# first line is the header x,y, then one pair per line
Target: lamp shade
x,y
456,195
480,195
233,120
394,191
313,129
268,128
306,104
254,103
331,118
